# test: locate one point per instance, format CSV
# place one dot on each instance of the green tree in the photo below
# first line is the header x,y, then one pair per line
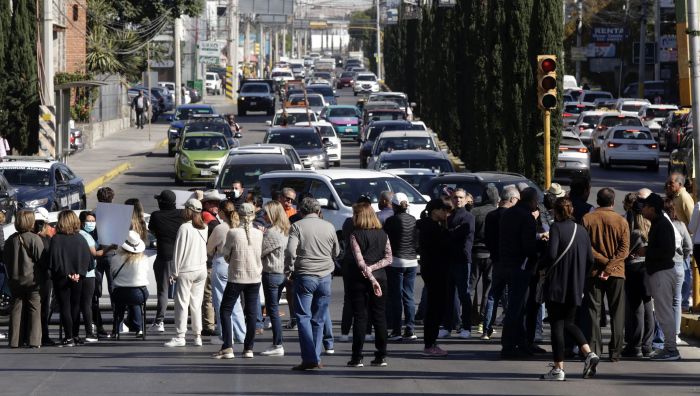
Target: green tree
x,y
5,21
21,95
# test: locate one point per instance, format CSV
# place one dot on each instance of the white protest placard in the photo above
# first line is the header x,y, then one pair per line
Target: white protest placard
x,y
113,222
181,196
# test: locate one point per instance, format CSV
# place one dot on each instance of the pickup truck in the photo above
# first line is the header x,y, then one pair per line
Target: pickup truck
x,y
256,95
213,83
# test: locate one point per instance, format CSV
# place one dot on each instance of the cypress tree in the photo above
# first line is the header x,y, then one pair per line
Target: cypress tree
x,y
495,25
21,96
5,14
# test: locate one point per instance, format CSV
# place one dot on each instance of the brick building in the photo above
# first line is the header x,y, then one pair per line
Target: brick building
x,y
69,30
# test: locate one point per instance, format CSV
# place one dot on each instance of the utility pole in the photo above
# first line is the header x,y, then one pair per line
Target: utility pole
x,y
379,44
177,32
284,42
579,31
657,38
694,39
47,53
246,42
682,44
261,54
642,49
233,45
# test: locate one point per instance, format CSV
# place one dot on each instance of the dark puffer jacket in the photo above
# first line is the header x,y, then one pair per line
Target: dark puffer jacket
x,y
401,229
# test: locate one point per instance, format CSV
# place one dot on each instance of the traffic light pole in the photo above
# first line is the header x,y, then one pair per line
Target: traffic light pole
x,y
547,149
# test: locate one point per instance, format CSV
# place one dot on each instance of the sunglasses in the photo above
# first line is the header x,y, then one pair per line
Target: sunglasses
x,y
289,199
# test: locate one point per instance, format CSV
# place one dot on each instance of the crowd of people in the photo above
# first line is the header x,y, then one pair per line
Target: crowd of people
x,y
225,260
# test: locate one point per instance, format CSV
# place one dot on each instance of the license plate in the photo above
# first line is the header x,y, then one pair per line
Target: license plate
x,y
206,173
632,147
348,129
253,103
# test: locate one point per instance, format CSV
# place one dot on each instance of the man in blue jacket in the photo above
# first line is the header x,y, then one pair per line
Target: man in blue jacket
x,y
461,226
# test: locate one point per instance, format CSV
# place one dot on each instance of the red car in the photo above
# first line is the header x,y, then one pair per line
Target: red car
x,y
346,80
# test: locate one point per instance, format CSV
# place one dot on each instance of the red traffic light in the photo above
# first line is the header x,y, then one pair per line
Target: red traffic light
x,y
548,65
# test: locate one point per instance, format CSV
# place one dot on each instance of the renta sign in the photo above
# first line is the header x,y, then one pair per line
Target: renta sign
x,y
608,34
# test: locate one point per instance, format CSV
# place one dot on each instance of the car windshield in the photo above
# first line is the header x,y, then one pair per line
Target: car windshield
x,y
293,118
342,112
281,74
590,97
210,77
248,174
204,143
188,113
26,176
349,190
631,107
254,88
437,164
346,75
615,121
374,131
396,99
314,100
404,143
632,135
219,127
323,90
326,130
575,109
569,142
385,115
419,181
590,120
298,140
366,77
658,113
323,75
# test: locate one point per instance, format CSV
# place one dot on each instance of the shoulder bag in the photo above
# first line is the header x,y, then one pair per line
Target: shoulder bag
x,y
539,292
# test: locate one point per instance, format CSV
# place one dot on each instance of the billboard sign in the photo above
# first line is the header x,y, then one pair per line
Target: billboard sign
x,y
608,34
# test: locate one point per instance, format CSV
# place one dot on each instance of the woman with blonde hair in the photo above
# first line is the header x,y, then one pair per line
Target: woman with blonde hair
x,y
129,269
242,250
366,278
273,246
138,222
188,271
219,272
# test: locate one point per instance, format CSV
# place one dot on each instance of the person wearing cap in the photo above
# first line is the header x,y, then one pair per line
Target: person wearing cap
x,y
188,271
401,275
45,231
129,268
312,247
610,238
659,253
210,207
243,252
492,226
164,224
385,208
210,214
433,243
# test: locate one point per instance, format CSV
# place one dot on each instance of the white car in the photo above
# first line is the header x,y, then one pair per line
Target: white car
x,y
170,86
315,102
327,131
623,145
585,124
401,140
213,83
338,189
399,97
365,83
630,106
279,74
654,115
590,96
607,121
295,115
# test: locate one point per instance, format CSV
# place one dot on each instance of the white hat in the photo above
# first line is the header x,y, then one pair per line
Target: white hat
x,y
133,243
398,198
556,190
41,214
193,204
212,195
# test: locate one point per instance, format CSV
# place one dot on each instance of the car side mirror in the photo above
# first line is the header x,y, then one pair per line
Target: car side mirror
x,y
268,123
238,135
413,104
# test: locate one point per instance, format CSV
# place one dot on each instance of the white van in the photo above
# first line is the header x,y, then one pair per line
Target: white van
x,y
570,82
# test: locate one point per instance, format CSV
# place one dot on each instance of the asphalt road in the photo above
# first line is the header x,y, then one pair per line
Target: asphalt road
x,y
473,366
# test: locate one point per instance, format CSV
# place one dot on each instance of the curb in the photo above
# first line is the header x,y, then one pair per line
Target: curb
x,y
94,184
690,326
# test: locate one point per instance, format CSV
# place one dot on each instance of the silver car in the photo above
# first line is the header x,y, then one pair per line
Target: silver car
x,y
574,158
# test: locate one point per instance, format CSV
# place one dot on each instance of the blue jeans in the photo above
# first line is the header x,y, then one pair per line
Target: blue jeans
x,y
312,295
496,294
272,286
678,297
130,298
461,275
219,278
514,331
250,293
328,341
401,282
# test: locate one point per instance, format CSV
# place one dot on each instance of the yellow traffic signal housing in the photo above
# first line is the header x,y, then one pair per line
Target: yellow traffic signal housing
x,y
547,82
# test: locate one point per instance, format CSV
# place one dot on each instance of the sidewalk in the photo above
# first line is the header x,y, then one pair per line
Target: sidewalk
x,y
115,154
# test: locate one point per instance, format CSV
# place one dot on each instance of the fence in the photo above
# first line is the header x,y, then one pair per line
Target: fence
x,y
111,103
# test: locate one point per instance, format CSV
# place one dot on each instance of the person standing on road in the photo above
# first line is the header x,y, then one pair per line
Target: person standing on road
x,y
45,231
104,195
518,254
610,238
662,274
371,252
188,271
433,243
69,260
243,252
312,247
210,215
140,106
401,275
219,273
385,208
509,197
683,203
273,246
461,226
164,224
138,221
568,259
580,189
22,255
684,246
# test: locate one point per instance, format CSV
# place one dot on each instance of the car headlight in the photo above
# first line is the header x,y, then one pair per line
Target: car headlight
x,y
316,157
36,203
172,130
241,97
185,161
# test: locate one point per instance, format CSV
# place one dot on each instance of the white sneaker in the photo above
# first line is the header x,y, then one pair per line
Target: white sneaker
x,y
329,352
198,341
123,329
248,354
275,350
466,334
443,333
175,342
216,341
554,375
267,323
157,327
3,336
344,338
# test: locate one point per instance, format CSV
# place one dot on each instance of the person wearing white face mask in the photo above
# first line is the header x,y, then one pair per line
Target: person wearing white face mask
x,y
87,231
238,194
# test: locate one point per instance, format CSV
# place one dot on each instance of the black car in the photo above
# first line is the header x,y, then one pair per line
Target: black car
x,y
43,182
256,95
373,130
307,142
248,168
475,183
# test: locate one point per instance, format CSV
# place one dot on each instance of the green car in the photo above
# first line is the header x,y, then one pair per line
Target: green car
x,y
199,157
